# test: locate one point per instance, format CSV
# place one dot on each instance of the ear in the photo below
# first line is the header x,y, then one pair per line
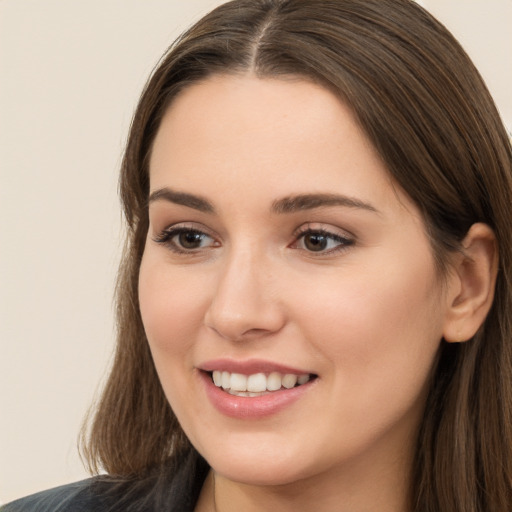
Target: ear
x,y
471,284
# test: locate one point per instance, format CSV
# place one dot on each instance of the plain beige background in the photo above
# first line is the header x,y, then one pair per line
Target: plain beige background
x,y
70,75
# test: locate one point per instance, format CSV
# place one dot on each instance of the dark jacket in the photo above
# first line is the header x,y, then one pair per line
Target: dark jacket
x,y
172,488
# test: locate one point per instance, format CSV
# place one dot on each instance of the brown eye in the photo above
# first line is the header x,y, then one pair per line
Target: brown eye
x,y
183,240
190,239
315,242
321,241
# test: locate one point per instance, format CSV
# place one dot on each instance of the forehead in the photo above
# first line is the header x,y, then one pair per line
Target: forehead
x,y
269,137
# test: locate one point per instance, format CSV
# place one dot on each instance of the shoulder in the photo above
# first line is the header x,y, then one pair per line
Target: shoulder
x,y
76,497
98,494
173,487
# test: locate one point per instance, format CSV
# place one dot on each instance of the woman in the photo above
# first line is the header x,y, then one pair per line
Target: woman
x,y
314,303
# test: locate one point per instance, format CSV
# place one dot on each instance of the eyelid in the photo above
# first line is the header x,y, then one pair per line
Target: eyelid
x,y
344,238
328,229
166,235
186,226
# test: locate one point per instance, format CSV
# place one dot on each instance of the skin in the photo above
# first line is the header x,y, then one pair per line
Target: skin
x,y
365,315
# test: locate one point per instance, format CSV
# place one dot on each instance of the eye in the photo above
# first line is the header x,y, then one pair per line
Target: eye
x,y
185,240
190,239
321,241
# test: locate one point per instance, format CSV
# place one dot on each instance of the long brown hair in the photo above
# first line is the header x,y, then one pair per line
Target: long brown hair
x,y
427,111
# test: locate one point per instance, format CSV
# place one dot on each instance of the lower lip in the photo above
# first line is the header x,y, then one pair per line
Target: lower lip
x,y
242,407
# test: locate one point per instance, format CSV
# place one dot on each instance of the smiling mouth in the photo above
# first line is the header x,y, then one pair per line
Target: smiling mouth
x,y
257,384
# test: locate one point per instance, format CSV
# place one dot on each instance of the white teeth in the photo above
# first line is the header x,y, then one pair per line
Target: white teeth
x,y
258,383
289,380
238,382
274,381
217,378
303,379
226,380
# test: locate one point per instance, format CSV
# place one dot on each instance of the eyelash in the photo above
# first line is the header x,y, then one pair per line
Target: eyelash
x,y
167,238
343,241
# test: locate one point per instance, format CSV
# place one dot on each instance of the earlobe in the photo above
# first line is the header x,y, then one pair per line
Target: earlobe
x,y
472,283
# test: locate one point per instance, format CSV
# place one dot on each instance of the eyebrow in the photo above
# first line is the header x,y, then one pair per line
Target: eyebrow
x,y
302,202
182,198
289,204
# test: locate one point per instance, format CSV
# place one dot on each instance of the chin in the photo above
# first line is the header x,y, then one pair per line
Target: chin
x,y
257,462
257,474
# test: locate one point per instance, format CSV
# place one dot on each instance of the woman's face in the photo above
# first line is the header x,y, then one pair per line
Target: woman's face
x,y
279,245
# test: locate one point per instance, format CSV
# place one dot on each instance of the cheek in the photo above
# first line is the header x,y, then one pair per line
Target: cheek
x,y
171,310
379,331
171,306
379,344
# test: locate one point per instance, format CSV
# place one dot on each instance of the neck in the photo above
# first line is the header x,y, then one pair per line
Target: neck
x,y
352,488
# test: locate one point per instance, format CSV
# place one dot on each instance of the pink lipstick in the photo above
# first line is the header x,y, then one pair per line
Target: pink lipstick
x,y
253,388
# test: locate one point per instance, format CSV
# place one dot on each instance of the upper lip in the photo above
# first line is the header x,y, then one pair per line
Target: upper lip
x,y
249,367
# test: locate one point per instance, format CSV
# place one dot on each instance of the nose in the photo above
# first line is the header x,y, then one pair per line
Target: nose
x,y
246,302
